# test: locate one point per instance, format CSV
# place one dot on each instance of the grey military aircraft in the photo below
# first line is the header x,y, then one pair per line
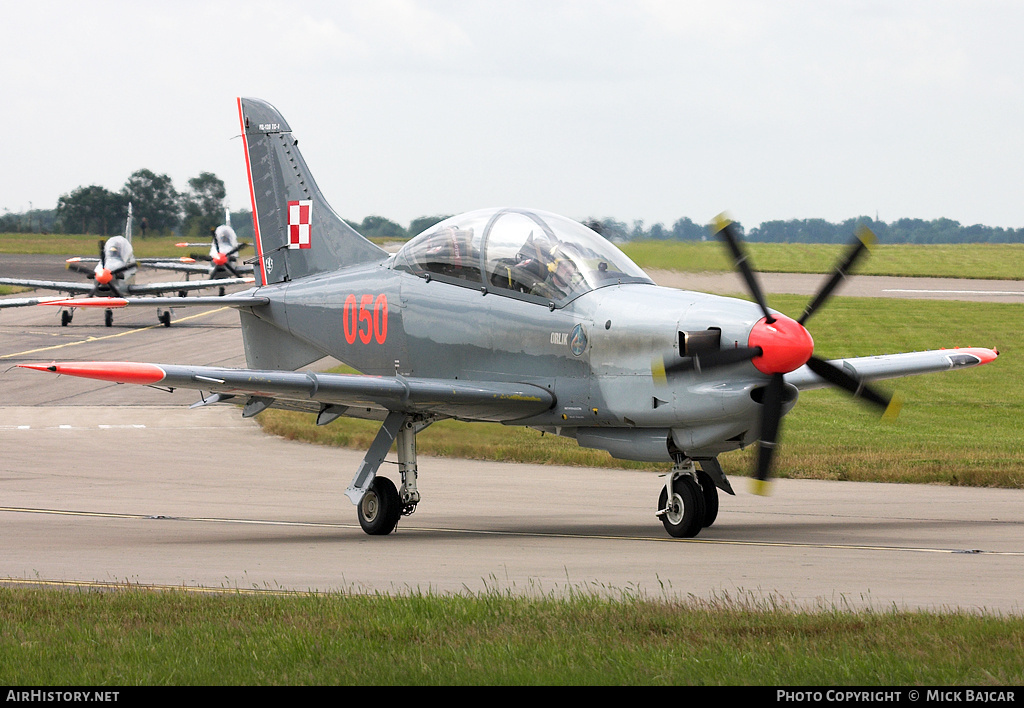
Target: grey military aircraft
x,y
222,257
112,274
511,315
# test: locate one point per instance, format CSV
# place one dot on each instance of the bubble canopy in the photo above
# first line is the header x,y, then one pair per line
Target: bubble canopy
x,y
518,252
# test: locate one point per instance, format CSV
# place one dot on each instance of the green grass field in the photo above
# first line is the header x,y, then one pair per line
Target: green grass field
x,y
85,245
139,638
999,261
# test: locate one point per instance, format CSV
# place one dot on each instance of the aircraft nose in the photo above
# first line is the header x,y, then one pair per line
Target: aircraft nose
x,y
220,259
104,276
786,345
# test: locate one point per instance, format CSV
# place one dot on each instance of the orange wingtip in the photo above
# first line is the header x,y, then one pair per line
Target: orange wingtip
x,y
107,302
186,259
986,355
117,371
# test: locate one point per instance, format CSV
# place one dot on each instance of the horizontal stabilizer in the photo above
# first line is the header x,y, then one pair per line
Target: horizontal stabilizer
x,y
119,302
26,301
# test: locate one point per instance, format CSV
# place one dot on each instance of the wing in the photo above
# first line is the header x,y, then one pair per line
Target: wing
x,y
181,267
192,267
891,366
333,394
184,285
59,285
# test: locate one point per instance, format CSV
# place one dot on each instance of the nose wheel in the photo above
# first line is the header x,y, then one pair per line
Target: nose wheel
x,y
681,505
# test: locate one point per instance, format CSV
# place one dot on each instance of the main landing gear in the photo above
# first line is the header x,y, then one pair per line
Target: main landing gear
x,y
379,503
689,499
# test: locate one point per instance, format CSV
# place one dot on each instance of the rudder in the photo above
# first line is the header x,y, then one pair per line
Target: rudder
x,y
297,233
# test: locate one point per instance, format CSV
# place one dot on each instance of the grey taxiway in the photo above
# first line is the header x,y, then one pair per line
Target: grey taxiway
x,y
107,484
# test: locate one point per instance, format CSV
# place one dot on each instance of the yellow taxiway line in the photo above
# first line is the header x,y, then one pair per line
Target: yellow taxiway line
x,y
108,336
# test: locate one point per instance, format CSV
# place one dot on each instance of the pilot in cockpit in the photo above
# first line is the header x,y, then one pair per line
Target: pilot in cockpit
x,y
449,251
564,274
545,269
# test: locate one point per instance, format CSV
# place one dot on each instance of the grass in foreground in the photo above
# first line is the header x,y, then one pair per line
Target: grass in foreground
x,y
959,428
135,637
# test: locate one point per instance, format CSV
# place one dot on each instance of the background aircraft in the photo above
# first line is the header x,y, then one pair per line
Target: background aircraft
x,y
112,274
222,257
516,316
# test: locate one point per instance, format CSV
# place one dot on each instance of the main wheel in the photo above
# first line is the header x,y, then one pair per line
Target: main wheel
x,y
684,517
65,318
165,318
380,507
710,491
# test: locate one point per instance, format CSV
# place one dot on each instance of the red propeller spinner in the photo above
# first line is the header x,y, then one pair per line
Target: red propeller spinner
x,y
786,345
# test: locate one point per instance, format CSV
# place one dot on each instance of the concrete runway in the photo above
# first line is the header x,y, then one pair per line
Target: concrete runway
x,y
103,483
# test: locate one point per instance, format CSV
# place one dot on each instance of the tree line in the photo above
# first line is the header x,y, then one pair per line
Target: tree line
x,y
914,231
160,209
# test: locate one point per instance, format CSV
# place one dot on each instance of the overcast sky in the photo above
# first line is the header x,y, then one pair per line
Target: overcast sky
x,y
632,109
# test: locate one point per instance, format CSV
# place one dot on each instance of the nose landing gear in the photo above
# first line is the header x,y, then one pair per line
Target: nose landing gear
x,y
688,501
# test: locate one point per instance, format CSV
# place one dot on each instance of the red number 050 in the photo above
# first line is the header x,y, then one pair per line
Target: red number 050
x,y
366,319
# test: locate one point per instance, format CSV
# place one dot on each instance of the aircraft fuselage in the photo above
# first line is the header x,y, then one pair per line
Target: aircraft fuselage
x,y
594,353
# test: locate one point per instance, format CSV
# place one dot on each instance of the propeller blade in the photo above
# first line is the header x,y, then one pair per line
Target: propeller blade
x,y
723,227
843,379
864,240
771,421
103,254
705,361
200,256
82,268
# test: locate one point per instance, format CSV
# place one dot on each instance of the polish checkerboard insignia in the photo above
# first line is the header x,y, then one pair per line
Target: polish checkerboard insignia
x,y
300,215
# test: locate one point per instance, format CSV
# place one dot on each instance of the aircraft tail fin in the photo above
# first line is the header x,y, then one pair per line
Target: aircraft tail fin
x,y
297,233
128,224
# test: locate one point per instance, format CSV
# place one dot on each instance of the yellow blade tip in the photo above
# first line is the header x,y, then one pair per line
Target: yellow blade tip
x,y
760,487
866,236
892,411
658,371
720,222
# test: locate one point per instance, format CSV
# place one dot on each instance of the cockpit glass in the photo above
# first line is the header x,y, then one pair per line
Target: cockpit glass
x,y
519,251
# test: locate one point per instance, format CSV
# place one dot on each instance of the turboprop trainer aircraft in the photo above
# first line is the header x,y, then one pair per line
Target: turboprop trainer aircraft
x,y
222,258
516,316
112,274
